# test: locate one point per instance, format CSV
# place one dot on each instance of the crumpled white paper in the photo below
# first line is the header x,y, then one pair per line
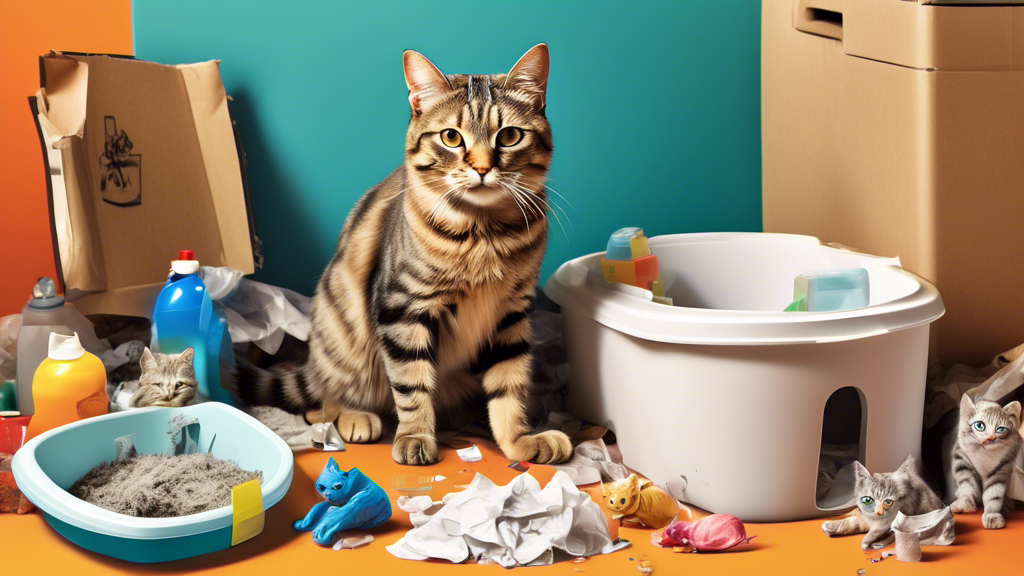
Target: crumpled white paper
x,y
591,463
518,524
257,312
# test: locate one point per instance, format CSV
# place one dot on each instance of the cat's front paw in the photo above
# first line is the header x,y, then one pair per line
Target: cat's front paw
x,y
830,527
963,505
550,447
415,449
993,520
359,427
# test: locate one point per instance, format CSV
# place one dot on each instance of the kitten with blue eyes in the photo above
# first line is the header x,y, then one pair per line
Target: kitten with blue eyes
x,y
167,380
987,449
879,498
351,500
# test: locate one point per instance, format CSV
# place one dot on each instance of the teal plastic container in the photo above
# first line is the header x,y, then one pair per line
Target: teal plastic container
x,y
184,317
49,464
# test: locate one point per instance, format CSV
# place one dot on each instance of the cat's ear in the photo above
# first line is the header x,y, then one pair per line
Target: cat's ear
x,y
860,473
1013,409
908,466
967,408
332,465
634,484
188,355
148,362
426,83
530,75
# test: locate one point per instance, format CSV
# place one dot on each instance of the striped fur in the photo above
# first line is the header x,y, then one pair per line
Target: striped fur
x,y
987,449
879,498
426,301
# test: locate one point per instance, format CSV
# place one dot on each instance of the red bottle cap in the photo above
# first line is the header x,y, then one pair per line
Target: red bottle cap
x,y
186,255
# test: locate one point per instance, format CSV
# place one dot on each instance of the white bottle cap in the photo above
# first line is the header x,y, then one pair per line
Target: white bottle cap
x,y
185,266
65,347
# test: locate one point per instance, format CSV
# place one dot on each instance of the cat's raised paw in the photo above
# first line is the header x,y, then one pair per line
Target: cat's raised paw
x,y
993,520
415,449
550,447
359,427
963,506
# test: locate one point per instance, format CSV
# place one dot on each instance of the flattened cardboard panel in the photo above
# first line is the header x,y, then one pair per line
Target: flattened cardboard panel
x,y
151,169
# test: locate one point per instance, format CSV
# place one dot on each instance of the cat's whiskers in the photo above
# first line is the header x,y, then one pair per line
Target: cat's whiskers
x,y
531,195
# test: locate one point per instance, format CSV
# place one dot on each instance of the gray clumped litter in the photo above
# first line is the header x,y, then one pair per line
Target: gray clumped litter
x,y
161,486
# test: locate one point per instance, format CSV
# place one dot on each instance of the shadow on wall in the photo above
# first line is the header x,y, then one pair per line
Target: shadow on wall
x,y
279,199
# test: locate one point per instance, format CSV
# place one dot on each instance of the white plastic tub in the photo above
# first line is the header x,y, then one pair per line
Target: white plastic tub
x,y
721,397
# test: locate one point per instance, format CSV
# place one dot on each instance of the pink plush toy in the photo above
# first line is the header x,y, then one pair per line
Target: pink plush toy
x,y
712,534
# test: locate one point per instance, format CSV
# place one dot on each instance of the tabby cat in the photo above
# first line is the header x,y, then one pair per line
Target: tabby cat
x,y
987,448
426,302
167,380
879,498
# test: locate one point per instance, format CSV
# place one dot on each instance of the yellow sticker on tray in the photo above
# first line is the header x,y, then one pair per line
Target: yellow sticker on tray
x,y
246,511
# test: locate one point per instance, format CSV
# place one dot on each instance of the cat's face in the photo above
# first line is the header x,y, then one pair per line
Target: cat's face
x,y
167,379
623,494
878,495
334,483
987,424
480,140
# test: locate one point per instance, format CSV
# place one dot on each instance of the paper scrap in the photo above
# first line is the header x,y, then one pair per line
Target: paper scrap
x,y
471,454
124,448
353,542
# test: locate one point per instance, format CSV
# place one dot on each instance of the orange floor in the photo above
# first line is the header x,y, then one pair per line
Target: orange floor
x,y
29,546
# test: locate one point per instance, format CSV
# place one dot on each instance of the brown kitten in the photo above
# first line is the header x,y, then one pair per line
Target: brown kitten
x,y
167,380
426,303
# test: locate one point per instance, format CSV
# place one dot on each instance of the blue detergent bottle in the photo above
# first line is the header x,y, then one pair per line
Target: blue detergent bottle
x,y
184,317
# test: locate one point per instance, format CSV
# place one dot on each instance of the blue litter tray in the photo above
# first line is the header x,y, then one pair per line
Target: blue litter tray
x,y
50,463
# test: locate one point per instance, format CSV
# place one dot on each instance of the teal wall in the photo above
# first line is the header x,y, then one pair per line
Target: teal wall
x,y
654,106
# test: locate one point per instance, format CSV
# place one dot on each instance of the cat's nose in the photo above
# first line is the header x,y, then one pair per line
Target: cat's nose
x,y
481,170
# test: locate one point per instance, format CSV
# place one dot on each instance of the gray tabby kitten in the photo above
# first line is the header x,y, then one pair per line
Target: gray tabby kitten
x,y
988,445
167,380
879,498
426,302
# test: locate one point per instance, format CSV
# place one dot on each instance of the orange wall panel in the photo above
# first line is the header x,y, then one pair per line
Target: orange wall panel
x,y
28,29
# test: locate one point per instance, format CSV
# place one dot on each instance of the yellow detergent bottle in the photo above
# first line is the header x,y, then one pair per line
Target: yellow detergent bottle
x,y
69,385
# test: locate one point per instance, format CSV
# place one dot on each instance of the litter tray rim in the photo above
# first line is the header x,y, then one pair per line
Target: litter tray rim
x,y
55,501
627,309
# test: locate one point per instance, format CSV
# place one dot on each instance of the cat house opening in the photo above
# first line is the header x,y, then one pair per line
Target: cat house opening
x,y
843,434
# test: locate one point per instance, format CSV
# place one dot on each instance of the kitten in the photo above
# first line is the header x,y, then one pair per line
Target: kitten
x,y
879,498
426,302
987,448
167,380
351,502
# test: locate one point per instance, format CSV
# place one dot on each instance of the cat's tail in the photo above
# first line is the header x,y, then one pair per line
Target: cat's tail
x,y
287,389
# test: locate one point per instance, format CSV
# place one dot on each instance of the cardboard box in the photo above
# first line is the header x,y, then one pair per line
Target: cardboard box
x,y
142,160
897,127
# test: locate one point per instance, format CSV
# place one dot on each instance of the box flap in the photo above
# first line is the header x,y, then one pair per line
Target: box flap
x,y
143,162
929,36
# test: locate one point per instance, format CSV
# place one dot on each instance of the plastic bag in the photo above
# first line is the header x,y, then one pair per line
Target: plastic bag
x,y
257,312
711,534
9,327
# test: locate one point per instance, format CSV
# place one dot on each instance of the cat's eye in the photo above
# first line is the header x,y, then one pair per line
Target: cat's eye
x,y
451,138
181,385
509,136
622,501
866,500
1002,430
979,426
337,486
888,502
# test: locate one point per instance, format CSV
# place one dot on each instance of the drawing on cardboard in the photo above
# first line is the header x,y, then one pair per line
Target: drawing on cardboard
x,y
121,169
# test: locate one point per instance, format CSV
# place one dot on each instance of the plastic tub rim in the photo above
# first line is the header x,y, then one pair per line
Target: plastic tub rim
x,y
626,311
56,501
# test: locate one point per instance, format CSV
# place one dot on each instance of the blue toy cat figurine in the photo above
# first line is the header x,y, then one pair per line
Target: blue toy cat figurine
x,y
353,501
